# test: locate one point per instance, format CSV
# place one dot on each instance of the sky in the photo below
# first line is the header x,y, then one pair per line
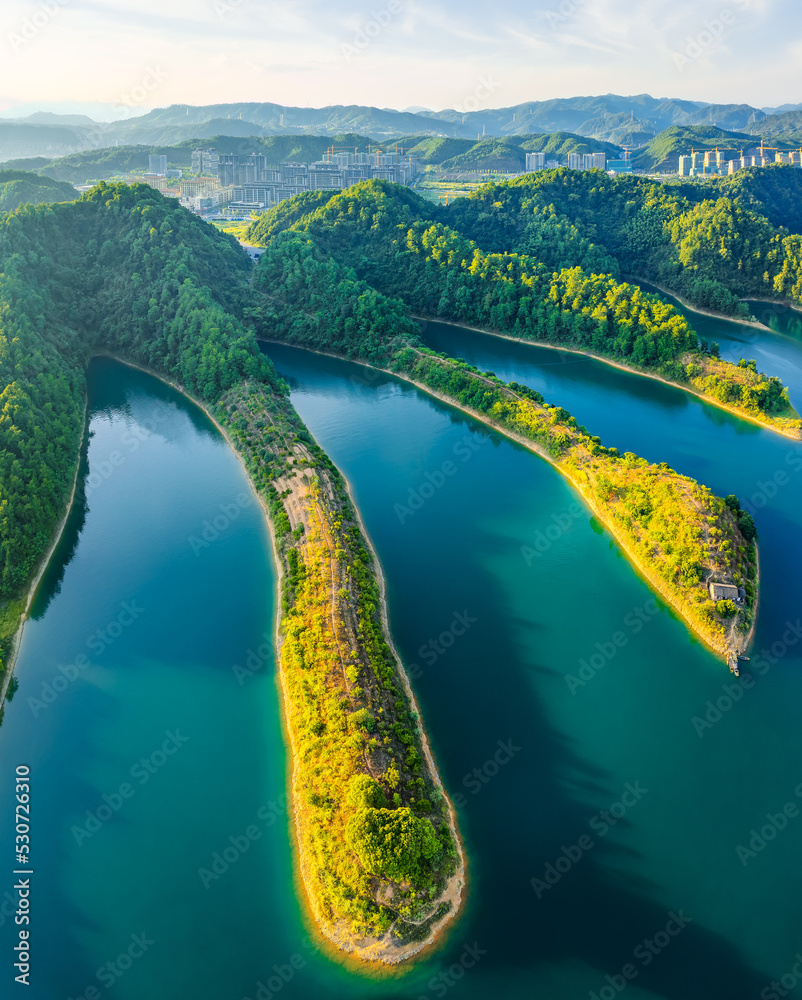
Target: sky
x,y
117,58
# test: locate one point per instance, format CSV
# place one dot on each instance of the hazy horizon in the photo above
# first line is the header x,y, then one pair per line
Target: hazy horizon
x,y
391,53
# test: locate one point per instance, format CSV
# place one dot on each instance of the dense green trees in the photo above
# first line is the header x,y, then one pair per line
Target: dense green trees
x,y
393,843
712,243
18,187
676,531
123,269
126,270
375,229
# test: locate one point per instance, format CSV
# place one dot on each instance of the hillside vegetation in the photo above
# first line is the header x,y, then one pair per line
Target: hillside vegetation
x,y
509,153
504,154
18,187
675,530
711,244
384,233
662,153
124,269
127,271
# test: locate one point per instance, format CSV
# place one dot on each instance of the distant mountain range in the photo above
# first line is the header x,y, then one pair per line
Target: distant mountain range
x,y
609,118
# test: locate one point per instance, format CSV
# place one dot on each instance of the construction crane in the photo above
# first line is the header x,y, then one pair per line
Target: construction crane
x,y
791,153
441,196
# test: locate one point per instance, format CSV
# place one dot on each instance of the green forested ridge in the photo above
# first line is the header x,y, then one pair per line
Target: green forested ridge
x,y
26,163
122,268
497,154
286,214
712,244
18,187
679,533
129,271
664,150
383,232
487,154
775,192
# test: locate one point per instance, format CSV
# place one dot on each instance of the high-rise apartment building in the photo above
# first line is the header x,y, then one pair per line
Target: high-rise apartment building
x,y
157,165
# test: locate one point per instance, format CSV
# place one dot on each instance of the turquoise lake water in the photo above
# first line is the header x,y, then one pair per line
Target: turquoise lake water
x,y
625,797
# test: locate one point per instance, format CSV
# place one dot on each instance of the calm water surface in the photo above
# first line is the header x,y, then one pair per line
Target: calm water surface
x,y
624,796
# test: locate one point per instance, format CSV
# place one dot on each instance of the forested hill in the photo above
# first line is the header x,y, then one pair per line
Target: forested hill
x,y
122,268
459,155
774,192
662,153
18,187
712,244
302,295
544,279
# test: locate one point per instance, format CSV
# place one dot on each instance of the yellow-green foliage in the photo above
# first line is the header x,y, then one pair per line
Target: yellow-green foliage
x,y
677,529
373,826
744,387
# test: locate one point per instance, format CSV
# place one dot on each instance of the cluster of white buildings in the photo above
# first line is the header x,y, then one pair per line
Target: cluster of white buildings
x,y
713,162
576,161
248,183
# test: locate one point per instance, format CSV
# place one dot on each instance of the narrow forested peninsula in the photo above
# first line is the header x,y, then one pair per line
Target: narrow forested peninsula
x,y
126,272
677,533
379,853
556,287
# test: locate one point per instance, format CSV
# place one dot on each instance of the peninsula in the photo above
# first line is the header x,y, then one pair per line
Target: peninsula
x,y
378,851
678,535
389,237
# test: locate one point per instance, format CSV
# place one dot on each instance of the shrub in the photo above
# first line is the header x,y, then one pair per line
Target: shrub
x,y
392,842
363,719
364,792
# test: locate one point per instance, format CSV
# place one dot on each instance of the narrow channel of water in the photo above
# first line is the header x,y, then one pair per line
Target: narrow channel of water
x,y
146,754
607,792
539,617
